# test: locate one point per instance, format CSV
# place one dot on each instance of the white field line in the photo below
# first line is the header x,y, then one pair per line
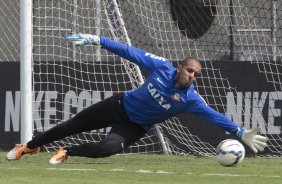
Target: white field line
x,y
168,172
113,170
142,171
153,172
70,169
239,175
10,168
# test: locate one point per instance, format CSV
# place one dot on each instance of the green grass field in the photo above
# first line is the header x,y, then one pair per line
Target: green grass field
x,y
138,169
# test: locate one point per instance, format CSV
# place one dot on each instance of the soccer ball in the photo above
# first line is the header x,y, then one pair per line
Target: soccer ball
x,y
230,152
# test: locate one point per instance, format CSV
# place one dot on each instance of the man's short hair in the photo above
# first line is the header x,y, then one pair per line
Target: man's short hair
x,y
189,59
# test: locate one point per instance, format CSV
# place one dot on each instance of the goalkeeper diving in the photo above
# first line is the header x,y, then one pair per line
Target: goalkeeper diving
x,y
166,92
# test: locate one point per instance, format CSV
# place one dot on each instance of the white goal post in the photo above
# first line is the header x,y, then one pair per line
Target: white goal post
x,y
60,79
26,69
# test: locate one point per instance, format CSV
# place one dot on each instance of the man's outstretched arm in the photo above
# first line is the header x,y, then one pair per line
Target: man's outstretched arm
x,y
140,57
249,137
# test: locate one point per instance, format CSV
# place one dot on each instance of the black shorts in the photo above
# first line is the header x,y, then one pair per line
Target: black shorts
x,y
107,113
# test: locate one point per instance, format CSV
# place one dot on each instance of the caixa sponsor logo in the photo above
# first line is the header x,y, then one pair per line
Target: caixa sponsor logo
x,y
157,96
251,109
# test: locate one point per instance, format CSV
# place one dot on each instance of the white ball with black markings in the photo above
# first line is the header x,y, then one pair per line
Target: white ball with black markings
x,y
230,152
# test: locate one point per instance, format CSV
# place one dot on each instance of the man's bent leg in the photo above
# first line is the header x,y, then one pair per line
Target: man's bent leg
x,y
112,145
104,148
120,137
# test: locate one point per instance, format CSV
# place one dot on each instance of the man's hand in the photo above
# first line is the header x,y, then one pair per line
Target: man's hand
x,y
83,39
254,141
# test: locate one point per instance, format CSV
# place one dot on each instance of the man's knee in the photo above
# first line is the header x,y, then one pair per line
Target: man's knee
x,y
110,147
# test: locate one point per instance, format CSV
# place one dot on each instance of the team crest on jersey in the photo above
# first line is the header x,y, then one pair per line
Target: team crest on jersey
x,y
175,97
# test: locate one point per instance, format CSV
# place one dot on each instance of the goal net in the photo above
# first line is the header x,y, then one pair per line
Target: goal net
x,y
67,79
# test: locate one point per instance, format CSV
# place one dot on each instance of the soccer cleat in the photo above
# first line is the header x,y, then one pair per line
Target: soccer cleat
x,y
19,150
59,157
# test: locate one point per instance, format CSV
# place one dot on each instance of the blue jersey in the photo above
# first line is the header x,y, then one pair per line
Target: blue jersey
x,y
158,99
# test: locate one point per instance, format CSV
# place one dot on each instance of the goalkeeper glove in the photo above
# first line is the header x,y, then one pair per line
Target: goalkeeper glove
x,y
83,39
254,141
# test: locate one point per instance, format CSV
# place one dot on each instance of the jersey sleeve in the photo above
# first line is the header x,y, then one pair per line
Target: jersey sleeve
x,y
199,108
143,59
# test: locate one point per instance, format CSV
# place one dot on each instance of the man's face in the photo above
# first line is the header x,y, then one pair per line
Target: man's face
x,y
187,73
